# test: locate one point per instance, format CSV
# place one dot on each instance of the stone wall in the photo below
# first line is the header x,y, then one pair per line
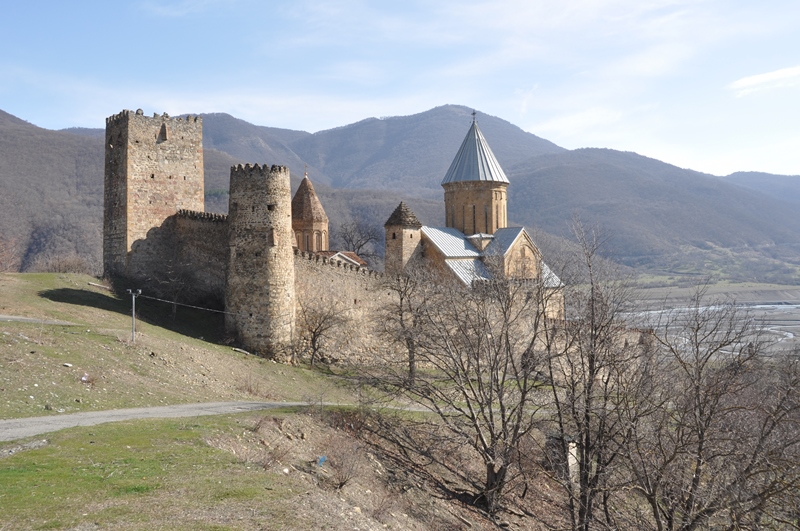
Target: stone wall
x,y
356,293
203,242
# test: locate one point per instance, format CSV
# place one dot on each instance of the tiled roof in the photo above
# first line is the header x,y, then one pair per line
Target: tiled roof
x,y
306,205
451,242
348,256
474,161
403,217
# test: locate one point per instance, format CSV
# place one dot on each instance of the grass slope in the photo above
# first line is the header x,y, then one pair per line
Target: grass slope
x,y
247,471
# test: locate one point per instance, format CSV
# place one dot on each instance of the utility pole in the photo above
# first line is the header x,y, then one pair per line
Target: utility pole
x,y
133,293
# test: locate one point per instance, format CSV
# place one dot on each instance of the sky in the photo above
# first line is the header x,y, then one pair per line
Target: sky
x,y
711,85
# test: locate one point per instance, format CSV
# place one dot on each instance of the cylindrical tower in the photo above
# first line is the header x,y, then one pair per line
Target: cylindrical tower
x,y
259,293
475,186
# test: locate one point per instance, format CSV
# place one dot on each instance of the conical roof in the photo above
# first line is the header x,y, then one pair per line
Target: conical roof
x,y
403,217
306,205
474,161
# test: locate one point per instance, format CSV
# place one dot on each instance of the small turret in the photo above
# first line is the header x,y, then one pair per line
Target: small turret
x,y
403,233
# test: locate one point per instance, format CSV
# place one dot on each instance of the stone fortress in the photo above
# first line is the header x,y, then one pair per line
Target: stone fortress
x,y
271,250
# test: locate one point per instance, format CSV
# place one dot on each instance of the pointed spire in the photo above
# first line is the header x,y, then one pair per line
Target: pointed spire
x,y
474,160
403,217
305,203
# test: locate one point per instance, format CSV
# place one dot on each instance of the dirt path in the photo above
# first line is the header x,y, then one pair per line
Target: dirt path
x,y
19,319
27,427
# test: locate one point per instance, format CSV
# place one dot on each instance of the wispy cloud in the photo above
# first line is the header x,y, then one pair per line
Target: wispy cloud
x,y
785,77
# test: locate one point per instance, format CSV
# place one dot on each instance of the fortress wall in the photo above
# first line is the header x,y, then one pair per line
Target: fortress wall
x,y
355,292
203,243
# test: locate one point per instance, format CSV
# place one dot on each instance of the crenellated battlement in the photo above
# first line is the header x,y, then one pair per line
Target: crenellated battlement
x,y
340,265
126,114
257,170
202,216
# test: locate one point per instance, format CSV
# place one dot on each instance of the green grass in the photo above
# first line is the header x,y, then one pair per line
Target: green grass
x,y
145,474
41,366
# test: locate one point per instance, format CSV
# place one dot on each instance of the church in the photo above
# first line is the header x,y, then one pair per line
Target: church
x,y
476,231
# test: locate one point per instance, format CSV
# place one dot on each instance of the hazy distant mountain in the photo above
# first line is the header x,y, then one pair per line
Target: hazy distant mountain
x,y
51,190
656,215
783,187
660,218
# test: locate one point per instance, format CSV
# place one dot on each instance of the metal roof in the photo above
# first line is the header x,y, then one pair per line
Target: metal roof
x,y
451,242
474,161
466,262
468,270
550,279
503,240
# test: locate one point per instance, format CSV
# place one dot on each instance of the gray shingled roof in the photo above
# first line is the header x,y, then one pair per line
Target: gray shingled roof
x,y
474,161
403,217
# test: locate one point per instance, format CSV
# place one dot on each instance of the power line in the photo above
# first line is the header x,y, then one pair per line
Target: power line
x,y
188,305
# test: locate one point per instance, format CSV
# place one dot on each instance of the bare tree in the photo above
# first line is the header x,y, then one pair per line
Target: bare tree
x,y
360,238
716,439
481,350
592,365
9,255
319,316
402,316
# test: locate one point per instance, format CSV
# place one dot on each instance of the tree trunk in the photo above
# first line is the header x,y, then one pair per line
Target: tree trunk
x,y
495,481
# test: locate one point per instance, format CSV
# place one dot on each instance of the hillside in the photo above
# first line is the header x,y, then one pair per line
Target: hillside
x,y
656,215
51,191
250,471
410,153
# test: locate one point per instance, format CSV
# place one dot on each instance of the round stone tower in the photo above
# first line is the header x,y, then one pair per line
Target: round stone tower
x,y
475,188
259,293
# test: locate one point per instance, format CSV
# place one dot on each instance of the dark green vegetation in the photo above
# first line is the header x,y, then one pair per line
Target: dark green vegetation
x,y
665,220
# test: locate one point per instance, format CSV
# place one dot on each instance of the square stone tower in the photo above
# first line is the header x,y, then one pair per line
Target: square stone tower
x,y
154,167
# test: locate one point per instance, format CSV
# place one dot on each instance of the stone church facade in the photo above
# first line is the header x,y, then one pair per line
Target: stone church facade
x,y
270,245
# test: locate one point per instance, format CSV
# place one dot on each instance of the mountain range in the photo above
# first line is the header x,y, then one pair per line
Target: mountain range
x,y
660,219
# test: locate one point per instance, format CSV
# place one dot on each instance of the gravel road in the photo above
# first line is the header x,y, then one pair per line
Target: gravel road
x,y
27,427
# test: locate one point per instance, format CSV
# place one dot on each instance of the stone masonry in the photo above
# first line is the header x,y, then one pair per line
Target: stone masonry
x,y
154,166
259,290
